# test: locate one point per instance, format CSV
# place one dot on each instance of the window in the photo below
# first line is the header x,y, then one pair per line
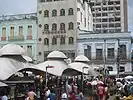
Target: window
x,y
70,26
122,51
46,27
62,40
111,54
99,54
40,12
12,31
4,32
54,26
40,39
54,41
71,40
87,52
30,30
62,26
20,30
70,11
110,68
62,12
54,12
46,41
121,69
46,13
29,51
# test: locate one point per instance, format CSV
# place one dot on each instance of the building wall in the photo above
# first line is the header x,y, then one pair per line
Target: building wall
x,y
24,37
110,15
67,48
106,42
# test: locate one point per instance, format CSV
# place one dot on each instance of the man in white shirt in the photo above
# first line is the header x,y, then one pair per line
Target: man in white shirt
x,y
4,97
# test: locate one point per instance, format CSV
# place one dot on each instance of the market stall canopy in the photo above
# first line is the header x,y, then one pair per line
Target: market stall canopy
x,y
129,77
81,65
11,49
3,84
81,58
57,70
55,60
57,54
9,66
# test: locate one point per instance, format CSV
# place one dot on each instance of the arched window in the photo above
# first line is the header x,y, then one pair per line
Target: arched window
x,y
70,26
46,41
46,27
62,26
70,11
62,12
54,41
122,69
54,26
54,12
110,68
62,40
46,13
71,40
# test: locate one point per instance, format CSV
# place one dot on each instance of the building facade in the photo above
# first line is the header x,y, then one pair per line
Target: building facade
x,y
57,26
20,29
110,16
102,50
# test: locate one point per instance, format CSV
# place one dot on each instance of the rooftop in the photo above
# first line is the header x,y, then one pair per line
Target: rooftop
x,y
30,16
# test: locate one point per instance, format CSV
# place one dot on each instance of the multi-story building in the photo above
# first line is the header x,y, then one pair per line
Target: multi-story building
x,y
20,29
109,16
102,50
58,21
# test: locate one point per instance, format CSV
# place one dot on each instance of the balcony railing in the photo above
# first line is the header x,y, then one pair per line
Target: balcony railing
x,y
16,38
3,38
29,37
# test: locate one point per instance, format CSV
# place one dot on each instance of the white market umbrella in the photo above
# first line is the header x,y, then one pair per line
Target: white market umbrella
x,y
94,83
128,77
3,84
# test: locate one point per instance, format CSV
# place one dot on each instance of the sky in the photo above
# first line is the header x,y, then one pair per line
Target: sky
x,y
29,6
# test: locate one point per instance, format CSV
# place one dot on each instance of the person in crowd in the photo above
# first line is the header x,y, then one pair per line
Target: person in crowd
x,y
80,93
4,96
47,93
106,92
73,96
100,91
90,91
31,95
52,95
64,95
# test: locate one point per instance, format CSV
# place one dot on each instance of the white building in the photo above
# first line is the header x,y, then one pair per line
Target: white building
x,y
57,25
99,46
110,16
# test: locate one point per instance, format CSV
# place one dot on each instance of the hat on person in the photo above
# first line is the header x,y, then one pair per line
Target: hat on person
x,y
31,93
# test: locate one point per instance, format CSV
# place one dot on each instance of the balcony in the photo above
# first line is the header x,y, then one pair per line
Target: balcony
x,y
16,38
29,37
3,38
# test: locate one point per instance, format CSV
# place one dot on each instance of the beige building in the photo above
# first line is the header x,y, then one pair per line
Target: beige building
x,y
110,15
58,21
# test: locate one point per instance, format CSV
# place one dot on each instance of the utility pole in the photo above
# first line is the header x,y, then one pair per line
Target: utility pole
x,y
118,58
104,59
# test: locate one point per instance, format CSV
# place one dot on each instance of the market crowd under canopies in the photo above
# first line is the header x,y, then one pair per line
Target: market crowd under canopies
x,y
14,63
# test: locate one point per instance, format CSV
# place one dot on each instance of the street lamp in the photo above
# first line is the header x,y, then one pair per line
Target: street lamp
x,y
47,73
83,75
